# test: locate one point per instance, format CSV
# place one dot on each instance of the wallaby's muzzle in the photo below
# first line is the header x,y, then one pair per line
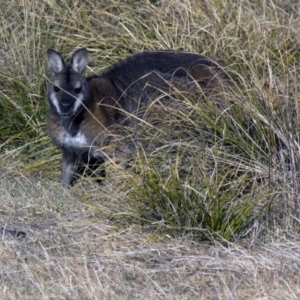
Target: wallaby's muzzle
x,y
67,106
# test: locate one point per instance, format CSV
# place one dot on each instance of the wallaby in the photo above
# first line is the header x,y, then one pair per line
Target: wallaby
x,y
87,114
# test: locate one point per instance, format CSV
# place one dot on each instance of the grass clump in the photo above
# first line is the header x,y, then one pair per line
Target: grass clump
x,y
199,170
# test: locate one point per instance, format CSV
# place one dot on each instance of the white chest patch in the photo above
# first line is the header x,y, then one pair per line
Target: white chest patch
x,y
77,141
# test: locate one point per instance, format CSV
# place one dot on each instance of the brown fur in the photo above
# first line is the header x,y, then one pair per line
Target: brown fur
x,y
89,116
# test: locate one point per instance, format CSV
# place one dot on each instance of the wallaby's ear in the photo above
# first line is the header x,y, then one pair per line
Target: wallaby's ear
x,y
55,61
80,60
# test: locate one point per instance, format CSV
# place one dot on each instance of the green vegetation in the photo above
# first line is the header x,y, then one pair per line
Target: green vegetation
x,y
210,201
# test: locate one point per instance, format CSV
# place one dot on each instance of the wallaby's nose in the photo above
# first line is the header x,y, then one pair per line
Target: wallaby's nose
x,y
66,107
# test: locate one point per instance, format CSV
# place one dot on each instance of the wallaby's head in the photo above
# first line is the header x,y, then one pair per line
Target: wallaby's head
x,y
68,91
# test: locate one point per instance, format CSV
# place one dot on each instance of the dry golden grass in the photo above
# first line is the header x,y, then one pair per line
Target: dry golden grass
x,y
69,253
91,241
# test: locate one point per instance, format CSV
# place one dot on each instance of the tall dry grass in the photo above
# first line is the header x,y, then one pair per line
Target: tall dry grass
x,y
208,209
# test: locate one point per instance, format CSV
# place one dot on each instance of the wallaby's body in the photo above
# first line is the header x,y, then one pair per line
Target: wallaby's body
x,y
88,114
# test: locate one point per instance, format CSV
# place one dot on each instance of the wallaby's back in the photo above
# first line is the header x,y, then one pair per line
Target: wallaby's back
x,y
177,64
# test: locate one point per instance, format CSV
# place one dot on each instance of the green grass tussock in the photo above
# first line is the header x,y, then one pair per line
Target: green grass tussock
x,y
209,206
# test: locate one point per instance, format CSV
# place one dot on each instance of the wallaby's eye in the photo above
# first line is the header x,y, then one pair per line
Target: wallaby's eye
x,y
77,90
56,89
